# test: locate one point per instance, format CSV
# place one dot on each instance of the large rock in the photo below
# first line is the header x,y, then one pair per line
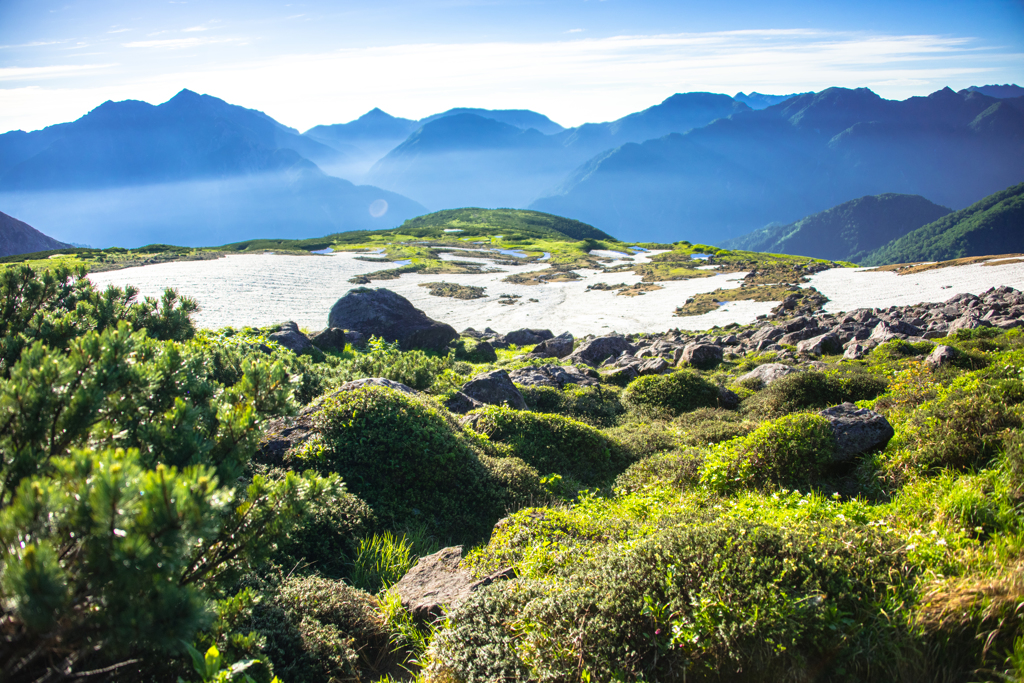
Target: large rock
x,y
460,403
941,355
527,337
331,339
827,343
385,314
857,430
968,321
768,373
494,388
436,583
553,376
699,355
556,347
596,351
289,337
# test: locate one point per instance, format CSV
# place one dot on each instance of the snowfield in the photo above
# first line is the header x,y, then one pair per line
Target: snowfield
x,y
263,289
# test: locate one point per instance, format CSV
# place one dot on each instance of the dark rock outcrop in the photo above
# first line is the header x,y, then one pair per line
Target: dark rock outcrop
x,y
331,339
390,316
528,337
596,351
553,376
556,347
857,430
291,338
494,388
436,583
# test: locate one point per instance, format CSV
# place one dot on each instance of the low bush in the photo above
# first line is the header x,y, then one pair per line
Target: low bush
x,y
964,427
554,444
676,393
597,405
317,629
474,351
417,369
793,450
706,426
705,600
677,469
807,390
405,455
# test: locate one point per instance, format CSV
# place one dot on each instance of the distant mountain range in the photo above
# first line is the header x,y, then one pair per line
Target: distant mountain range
x,y
479,160
17,237
847,232
193,171
796,158
698,166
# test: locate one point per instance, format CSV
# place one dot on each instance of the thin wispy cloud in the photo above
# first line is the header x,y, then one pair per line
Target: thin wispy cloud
x,y
119,30
575,30
39,43
177,43
192,29
15,73
572,80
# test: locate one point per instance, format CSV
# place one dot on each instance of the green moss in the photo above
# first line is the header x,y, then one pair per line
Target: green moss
x,y
809,390
794,450
554,444
679,392
405,456
596,405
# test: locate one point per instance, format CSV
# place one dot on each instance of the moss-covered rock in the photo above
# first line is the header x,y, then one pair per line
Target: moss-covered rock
x,y
554,444
807,390
676,393
407,458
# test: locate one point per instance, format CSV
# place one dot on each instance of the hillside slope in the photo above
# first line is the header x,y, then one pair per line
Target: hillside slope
x,y
994,225
846,232
17,237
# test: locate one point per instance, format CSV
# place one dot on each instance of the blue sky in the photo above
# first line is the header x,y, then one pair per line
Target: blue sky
x,y
307,63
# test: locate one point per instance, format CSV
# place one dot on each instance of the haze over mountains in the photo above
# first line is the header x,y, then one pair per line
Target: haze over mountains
x,y
698,166
192,171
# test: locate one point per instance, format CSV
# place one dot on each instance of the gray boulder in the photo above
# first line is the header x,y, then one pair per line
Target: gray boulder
x,y
436,583
855,351
494,388
622,375
331,339
968,321
700,355
290,338
385,314
374,382
827,343
941,355
596,351
462,404
527,336
553,376
768,373
728,399
556,347
653,366
857,430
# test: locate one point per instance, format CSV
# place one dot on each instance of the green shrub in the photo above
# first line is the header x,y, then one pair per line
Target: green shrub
x,y
964,427
677,469
679,392
318,629
643,439
405,456
597,405
711,599
899,348
706,426
807,390
417,369
790,451
554,444
474,351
